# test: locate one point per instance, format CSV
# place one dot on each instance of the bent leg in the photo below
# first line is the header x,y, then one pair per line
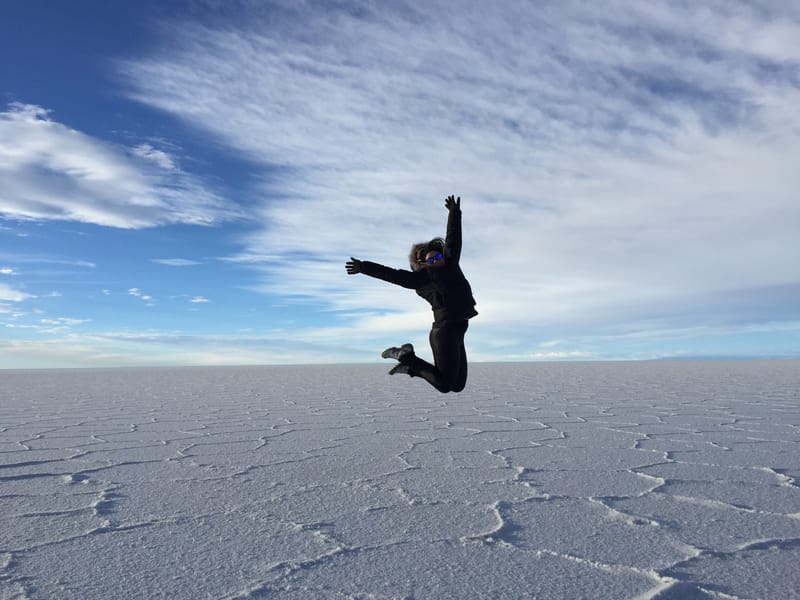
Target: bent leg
x,y
449,371
461,377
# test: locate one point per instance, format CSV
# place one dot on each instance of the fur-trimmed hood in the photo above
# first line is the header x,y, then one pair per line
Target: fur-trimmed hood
x,y
416,257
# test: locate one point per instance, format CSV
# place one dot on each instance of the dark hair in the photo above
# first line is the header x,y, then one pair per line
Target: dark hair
x,y
416,258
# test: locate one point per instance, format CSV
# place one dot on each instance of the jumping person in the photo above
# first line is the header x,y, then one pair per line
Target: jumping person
x,y
436,276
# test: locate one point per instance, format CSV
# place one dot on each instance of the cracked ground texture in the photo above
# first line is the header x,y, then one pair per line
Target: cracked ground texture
x,y
658,480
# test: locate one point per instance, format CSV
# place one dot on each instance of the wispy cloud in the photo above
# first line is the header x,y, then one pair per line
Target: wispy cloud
x,y
176,262
42,259
161,348
59,325
9,294
49,171
158,157
199,300
137,293
620,165
64,321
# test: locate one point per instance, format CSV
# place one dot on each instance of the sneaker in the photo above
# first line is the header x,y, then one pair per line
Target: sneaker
x,y
398,353
400,368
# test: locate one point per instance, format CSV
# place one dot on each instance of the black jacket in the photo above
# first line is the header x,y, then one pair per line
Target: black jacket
x,y
444,287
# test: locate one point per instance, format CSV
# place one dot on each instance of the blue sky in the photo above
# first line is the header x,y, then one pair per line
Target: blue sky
x,y
182,182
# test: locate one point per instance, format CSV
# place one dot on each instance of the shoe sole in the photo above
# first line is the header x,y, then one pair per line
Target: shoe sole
x,y
401,351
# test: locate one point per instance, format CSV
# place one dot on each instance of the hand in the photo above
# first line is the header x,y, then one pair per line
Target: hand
x,y
453,203
353,266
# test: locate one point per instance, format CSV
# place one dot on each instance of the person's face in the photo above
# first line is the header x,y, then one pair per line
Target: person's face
x,y
434,258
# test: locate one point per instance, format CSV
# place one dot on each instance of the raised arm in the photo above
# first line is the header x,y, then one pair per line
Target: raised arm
x,y
453,241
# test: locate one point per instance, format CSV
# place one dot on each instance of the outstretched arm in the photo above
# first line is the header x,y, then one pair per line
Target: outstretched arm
x,y
353,266
406,279
453,241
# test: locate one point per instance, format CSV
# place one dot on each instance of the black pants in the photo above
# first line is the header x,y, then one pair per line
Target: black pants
x,y
449,371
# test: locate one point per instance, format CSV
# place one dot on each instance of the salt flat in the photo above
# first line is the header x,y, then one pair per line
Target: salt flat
x,y
669,480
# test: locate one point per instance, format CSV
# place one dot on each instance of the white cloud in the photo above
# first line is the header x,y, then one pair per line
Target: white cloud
x,y
32,259
176,262
49,171
9,294
162,348
64,321
7,271
58,325
618,164
137,293
159,157
199,300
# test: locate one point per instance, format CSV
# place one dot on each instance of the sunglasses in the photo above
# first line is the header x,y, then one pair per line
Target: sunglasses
x,y
434,259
